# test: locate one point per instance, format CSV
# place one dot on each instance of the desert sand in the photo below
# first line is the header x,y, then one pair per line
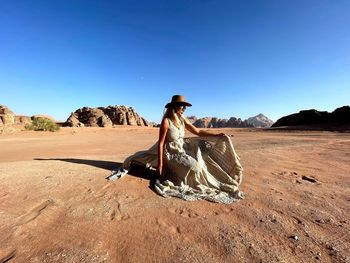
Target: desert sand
x,y
57,206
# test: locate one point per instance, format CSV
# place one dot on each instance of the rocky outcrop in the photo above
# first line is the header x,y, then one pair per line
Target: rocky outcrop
x,y
192,119
260,121
20,119
213,122
43,116
153,124
202,122
7,117
105,117
340,116
234,122
92,117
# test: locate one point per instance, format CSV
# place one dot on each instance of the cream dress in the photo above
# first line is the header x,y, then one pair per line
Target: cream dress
x,y
195,168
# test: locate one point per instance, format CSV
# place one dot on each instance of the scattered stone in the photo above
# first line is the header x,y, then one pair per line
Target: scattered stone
x,y
323,220
299,221
310,179
295,237
332,250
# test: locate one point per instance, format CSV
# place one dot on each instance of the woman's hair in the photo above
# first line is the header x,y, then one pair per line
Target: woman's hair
x,y
169,113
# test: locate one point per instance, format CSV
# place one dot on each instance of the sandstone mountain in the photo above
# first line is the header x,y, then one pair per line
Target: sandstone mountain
x,y
192,119
21,119
213,122
11,123
340,116
105,117
7,117
260,121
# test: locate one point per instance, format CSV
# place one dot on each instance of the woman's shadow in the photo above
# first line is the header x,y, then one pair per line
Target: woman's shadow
x,y
136,170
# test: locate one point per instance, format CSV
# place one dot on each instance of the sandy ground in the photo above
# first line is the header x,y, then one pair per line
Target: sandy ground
x,y
57,206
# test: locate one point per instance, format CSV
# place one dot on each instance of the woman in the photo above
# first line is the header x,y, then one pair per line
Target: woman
x,y
204,167
185,164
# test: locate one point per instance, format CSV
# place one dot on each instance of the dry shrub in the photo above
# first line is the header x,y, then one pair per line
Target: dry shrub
x,y
42,124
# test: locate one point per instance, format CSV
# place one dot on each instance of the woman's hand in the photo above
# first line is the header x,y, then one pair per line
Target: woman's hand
x,y
224,134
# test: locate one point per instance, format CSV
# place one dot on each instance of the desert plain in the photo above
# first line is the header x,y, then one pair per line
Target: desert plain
x,y
57,206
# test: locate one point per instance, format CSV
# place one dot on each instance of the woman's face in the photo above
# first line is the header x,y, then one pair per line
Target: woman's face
x,y
180,110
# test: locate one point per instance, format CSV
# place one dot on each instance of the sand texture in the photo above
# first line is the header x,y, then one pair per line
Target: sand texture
x,y
57,206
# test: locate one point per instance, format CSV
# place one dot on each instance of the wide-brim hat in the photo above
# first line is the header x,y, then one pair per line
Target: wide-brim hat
x,y
178,100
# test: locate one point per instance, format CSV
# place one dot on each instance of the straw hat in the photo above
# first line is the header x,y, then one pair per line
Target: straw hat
x,y
178,100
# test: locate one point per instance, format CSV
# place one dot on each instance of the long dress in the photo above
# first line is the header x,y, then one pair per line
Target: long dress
x,y
195,168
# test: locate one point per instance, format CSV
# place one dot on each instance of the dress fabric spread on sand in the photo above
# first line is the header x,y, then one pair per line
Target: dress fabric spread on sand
x,y
195,168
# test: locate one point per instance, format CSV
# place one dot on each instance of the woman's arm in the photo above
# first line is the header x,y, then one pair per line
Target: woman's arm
x,y
190,127
162,135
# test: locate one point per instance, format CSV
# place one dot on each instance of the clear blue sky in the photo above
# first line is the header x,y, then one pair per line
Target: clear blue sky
x,y
229,58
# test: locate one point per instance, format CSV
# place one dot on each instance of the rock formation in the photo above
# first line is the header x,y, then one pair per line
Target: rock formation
x,y
192,119
105,117
260,121
153,124
43,116
213,122
20,119
7,117
340,116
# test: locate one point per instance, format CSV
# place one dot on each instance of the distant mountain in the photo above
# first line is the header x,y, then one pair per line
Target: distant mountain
x,y
233,122
213,122
192,119
340,116
260,121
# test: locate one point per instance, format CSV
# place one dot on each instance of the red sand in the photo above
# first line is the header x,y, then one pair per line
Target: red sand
x,y
56,206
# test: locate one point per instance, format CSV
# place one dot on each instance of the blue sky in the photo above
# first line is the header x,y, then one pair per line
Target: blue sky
x,y
229,58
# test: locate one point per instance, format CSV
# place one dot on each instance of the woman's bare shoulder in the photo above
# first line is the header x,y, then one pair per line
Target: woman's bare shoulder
x,y
165,122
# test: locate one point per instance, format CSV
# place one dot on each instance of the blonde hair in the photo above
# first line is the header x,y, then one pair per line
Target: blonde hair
x,y
170,113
